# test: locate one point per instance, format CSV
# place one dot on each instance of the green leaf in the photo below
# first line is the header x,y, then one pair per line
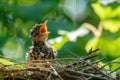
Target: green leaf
x,y
116,64
11,64
101,11
112,66
112,25
106,12
115,13
60,41
92,44
18,66
109,47
5,62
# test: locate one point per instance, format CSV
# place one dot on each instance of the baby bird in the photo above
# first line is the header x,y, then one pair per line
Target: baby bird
x,y
40,50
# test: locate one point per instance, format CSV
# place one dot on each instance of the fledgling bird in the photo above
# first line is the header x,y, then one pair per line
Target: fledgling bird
x,y
40,50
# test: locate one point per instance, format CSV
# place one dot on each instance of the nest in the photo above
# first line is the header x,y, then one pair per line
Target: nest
x,y
57,69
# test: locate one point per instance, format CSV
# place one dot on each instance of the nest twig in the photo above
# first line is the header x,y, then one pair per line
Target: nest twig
x,y
78,69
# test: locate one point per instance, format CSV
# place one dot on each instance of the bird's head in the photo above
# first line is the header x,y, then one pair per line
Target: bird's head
x,y
39,32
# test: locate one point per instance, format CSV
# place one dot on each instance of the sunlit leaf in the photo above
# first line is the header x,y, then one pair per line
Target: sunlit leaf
x,y
115,12
18,66
113,65
100,10
60,41
92,44
112,25
109,47
116,64
106,12
5,62
11,64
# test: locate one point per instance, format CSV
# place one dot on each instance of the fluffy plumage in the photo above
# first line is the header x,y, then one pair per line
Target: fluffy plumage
x,y
40,49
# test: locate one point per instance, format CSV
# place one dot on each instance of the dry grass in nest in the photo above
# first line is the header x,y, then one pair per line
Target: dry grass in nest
x,y
56,69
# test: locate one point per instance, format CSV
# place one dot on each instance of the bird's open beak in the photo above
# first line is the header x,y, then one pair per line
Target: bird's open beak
x,y
43,28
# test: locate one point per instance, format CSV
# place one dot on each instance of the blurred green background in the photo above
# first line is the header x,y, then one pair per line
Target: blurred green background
x,y
75,25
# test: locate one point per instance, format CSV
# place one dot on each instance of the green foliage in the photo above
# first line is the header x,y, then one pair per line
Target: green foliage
x,y
5,62
110,15
112,25
115,64
58,45
108,41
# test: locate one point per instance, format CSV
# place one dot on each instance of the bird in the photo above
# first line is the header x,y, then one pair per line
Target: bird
x,y
40,49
